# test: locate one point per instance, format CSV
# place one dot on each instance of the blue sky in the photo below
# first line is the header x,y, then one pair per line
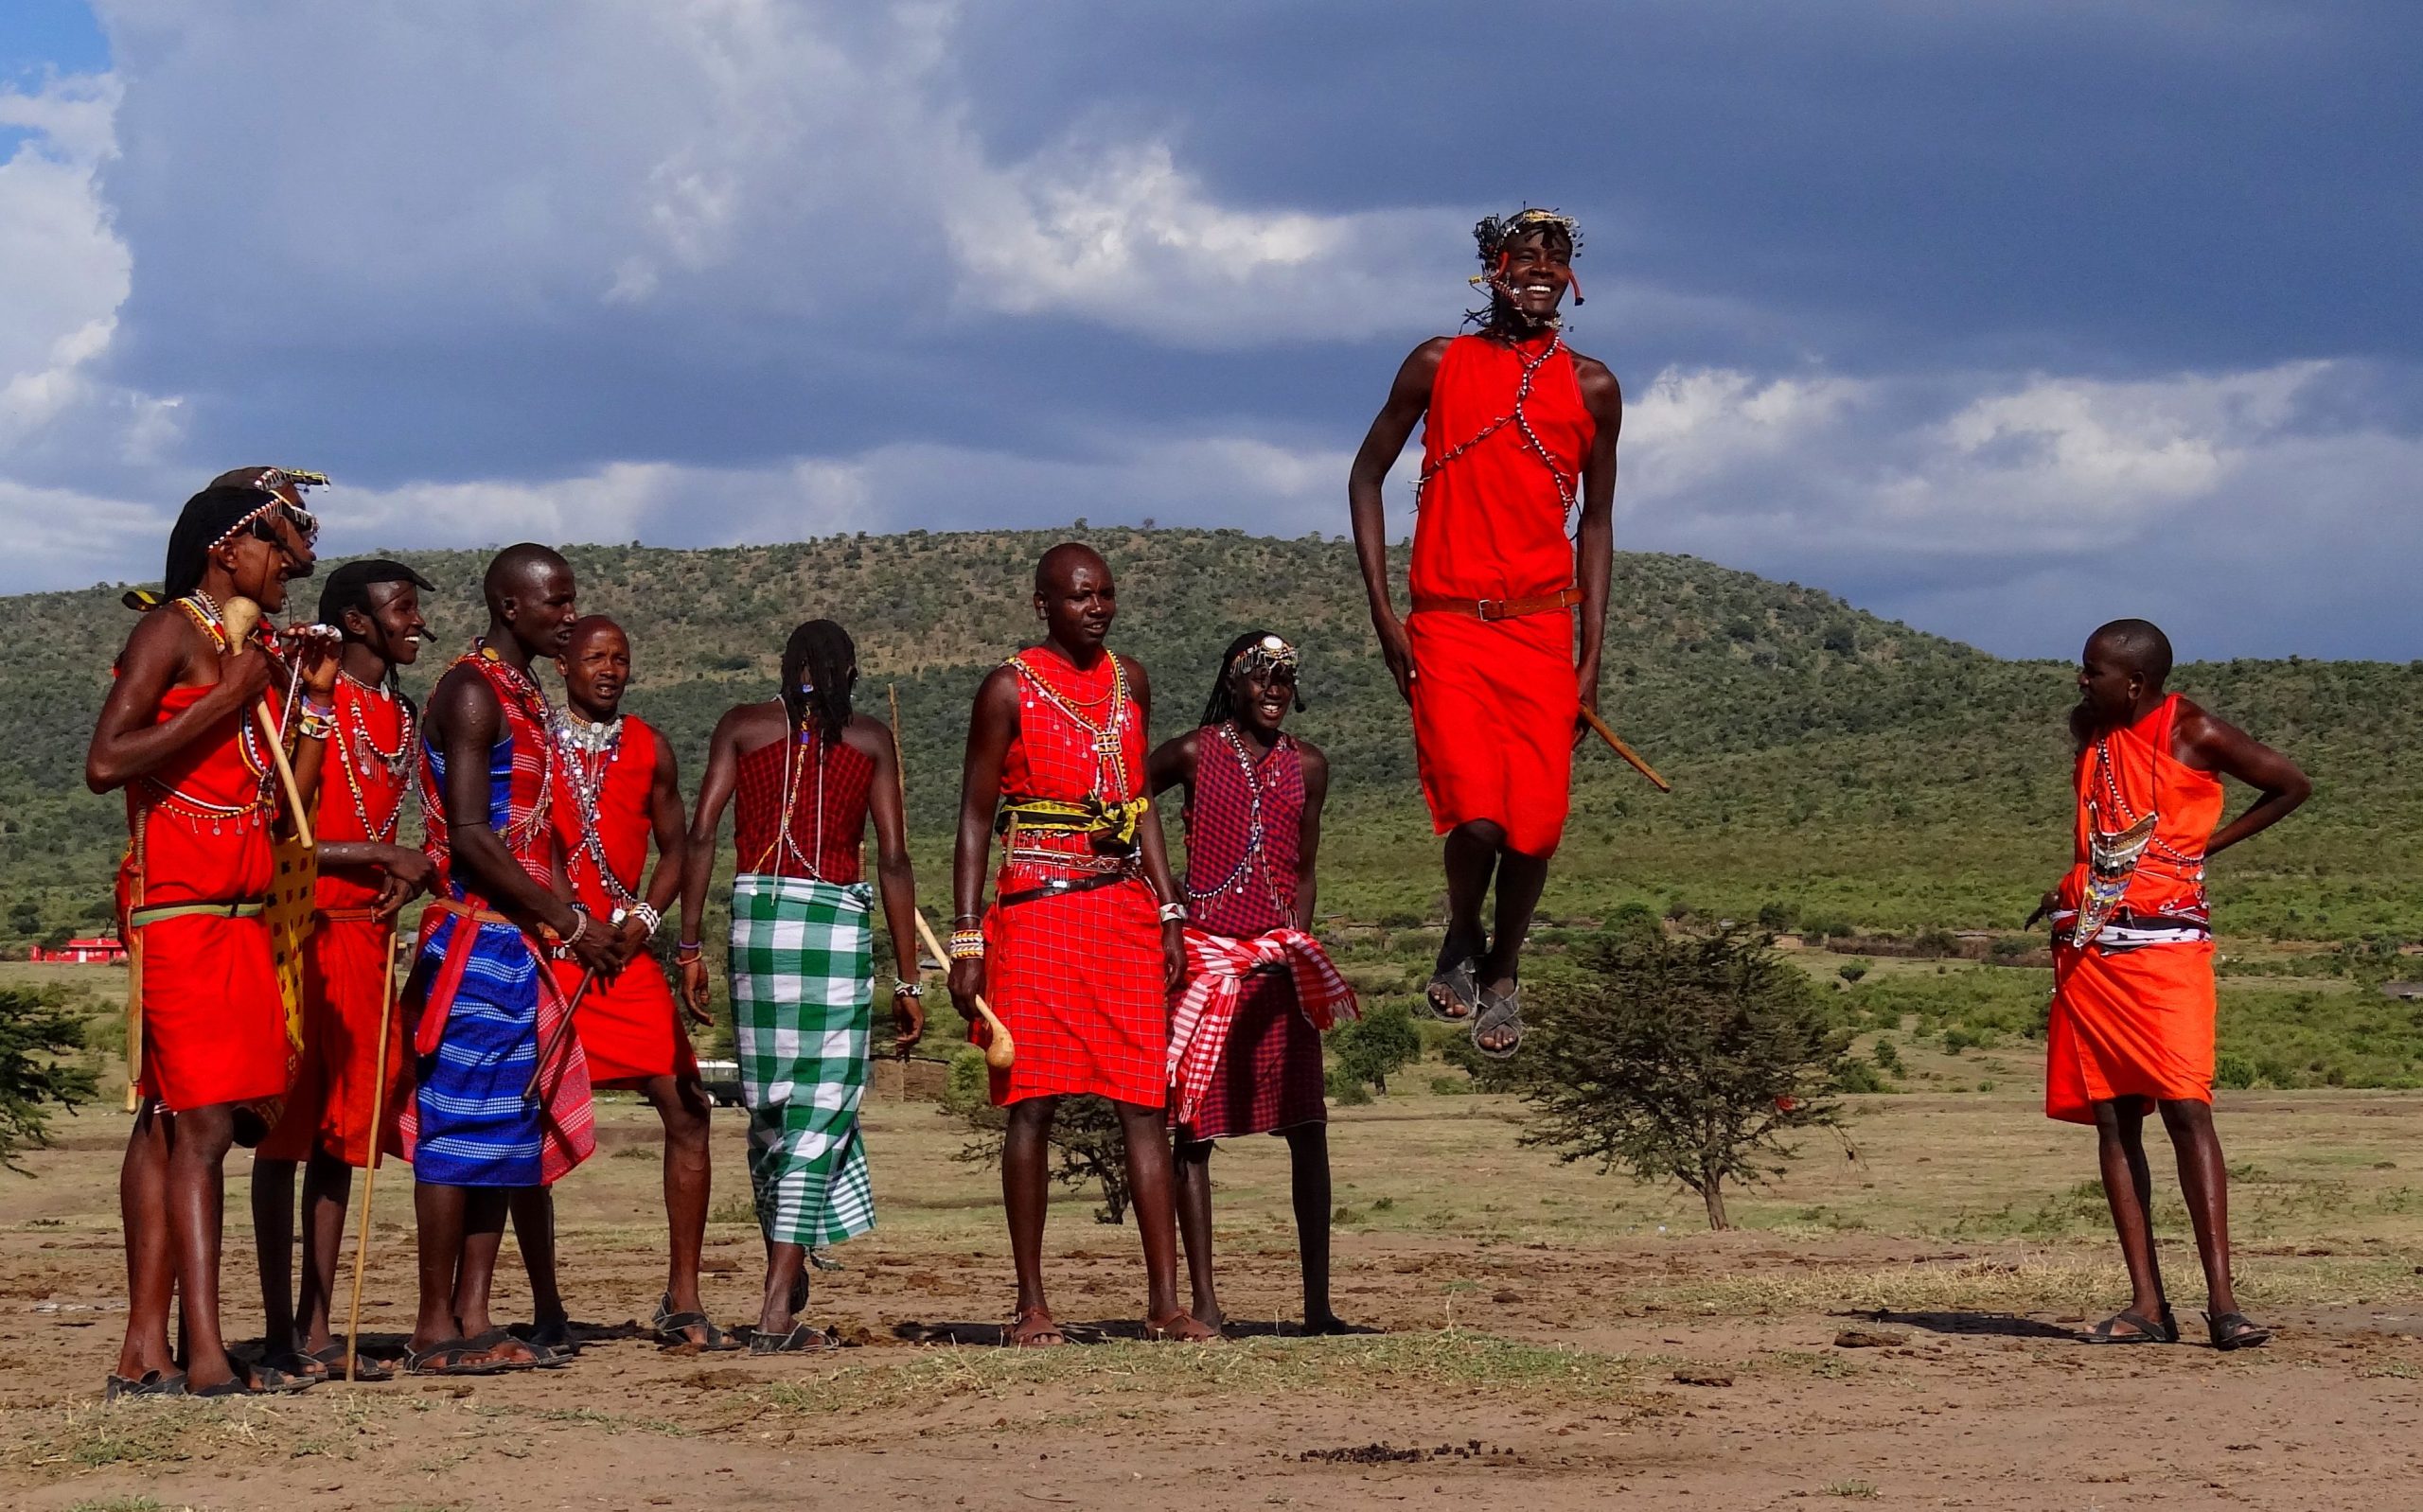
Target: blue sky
x,y
1996,317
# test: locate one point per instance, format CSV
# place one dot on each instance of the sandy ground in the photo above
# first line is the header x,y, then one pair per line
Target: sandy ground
x,y
1553,1338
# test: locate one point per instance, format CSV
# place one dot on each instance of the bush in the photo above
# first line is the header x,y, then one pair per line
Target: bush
x,y
1372,1049
1633,921
35,1030
1851,971
1887,1057
1858,1076
2233,1071
1086,1134
1685,1060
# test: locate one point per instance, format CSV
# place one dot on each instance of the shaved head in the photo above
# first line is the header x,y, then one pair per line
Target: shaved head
x,y
2135,645
1064,559
591,625
518,569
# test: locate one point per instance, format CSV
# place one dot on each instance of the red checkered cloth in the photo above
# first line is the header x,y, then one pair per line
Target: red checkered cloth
x,y
840,773
1076,978
1207,1008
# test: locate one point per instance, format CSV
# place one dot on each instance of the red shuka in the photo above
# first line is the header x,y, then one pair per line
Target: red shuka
x,y
1076,979
2132,1008
628,1028
1494,700
214,1026
349,955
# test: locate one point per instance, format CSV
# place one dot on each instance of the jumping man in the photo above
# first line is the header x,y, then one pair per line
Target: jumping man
x,y
365,878
1247,1040
1075,961
181,733
2131,1030
502,1101
616,788
1518,440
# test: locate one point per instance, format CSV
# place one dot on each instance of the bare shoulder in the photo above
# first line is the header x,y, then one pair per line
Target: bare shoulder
x,y
1137,678
999,688
1598,380
163,637
1311,757
751,724
867,735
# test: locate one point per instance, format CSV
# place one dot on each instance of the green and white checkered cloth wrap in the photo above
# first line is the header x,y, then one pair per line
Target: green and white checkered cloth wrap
x,y
803,990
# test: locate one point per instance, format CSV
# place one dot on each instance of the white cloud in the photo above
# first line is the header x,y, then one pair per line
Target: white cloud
x,y
63,269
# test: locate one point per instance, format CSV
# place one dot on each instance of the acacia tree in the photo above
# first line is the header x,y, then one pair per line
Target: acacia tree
x,y
35,1032
1086,1142
1683,1059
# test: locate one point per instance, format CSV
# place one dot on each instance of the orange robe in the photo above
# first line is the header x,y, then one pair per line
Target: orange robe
x,y
349,955
1494,700
2133,1004
628,1028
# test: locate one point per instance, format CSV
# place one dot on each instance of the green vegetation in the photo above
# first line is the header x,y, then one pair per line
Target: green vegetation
x,y
1690,1061
35,1032
1088,1144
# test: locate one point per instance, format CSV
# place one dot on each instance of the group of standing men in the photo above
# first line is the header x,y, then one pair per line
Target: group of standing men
x,y
1104,971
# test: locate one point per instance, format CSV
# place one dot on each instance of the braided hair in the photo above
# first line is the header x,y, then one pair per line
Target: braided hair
x,y
1492,236
205,521
1222,706
820,665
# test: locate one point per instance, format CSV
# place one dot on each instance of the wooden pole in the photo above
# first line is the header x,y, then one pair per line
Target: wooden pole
x,y
240,615
1616,742
378,1132
1000,1052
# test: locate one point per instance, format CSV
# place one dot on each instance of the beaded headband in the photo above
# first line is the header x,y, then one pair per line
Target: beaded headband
x,y
270,481
1264,656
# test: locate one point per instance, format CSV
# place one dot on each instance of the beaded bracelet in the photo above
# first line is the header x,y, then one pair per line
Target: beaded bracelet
x,y
967,944
646,914
579,923
684,954
1173,913
906,989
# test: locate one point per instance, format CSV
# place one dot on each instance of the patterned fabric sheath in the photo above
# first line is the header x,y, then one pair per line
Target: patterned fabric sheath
x,y
1245,1058
1219,967
486,1112
1076,977
803,990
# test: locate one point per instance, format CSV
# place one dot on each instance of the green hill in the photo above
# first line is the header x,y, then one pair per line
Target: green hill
x,y
1826,764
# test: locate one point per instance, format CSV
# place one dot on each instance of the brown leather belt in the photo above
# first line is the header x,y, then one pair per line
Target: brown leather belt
x,y
1564,598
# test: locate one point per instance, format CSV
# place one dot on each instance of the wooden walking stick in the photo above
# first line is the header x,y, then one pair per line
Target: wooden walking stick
x,y
1000,1052
240,615
1615,742
377,1146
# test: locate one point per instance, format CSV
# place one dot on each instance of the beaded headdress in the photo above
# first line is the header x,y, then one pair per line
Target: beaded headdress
x,y
1495,235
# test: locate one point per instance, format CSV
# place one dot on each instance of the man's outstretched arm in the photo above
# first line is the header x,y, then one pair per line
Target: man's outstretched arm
x,y
1408,400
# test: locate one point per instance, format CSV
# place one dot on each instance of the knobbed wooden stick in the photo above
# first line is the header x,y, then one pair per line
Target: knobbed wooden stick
x,y
1616,742
240,615
1000,1052
370,1176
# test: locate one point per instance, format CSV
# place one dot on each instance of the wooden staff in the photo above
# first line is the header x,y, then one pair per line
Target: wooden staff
x,y
556,1040
1616,742
378,1132
239,614
1000,1052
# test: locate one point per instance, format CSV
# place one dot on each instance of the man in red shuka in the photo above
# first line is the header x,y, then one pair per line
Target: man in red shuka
x,y
182,734
365,877
616,790
1518,439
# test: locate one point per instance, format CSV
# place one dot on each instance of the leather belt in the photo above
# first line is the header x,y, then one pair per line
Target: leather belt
x,y
1062,887
1564,598
231,908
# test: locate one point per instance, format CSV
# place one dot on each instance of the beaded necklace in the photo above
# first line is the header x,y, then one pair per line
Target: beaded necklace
x,y
798,741
1567,488
1253,857
204,612
365,755
1108,735
590,751
508,681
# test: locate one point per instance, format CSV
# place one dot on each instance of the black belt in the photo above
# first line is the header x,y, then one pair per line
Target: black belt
x,y
1062,887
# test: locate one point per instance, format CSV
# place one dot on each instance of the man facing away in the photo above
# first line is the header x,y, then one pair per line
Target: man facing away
x,y
1075,959
209,1054
365,878
1518,437
616,788
502,1095
2132,1028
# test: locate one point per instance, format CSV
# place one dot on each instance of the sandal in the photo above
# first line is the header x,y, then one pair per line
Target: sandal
x,y
266,1379
1184,1327
2144,1330
496,1339
364,1369
1499,1010
553,1343
453,1357
801,1340
673,1329
297,1363
1033,1328
1453,994
2236,1330
150,1384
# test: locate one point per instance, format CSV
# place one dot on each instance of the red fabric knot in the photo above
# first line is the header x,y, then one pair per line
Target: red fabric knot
x,y
1207,1004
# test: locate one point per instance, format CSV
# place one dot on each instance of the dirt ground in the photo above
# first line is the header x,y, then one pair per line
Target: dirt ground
x,y
1554,1337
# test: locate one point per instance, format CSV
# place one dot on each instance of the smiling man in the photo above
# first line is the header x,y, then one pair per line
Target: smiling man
x,y
183,734
1077,964
1518,447
2132,1028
